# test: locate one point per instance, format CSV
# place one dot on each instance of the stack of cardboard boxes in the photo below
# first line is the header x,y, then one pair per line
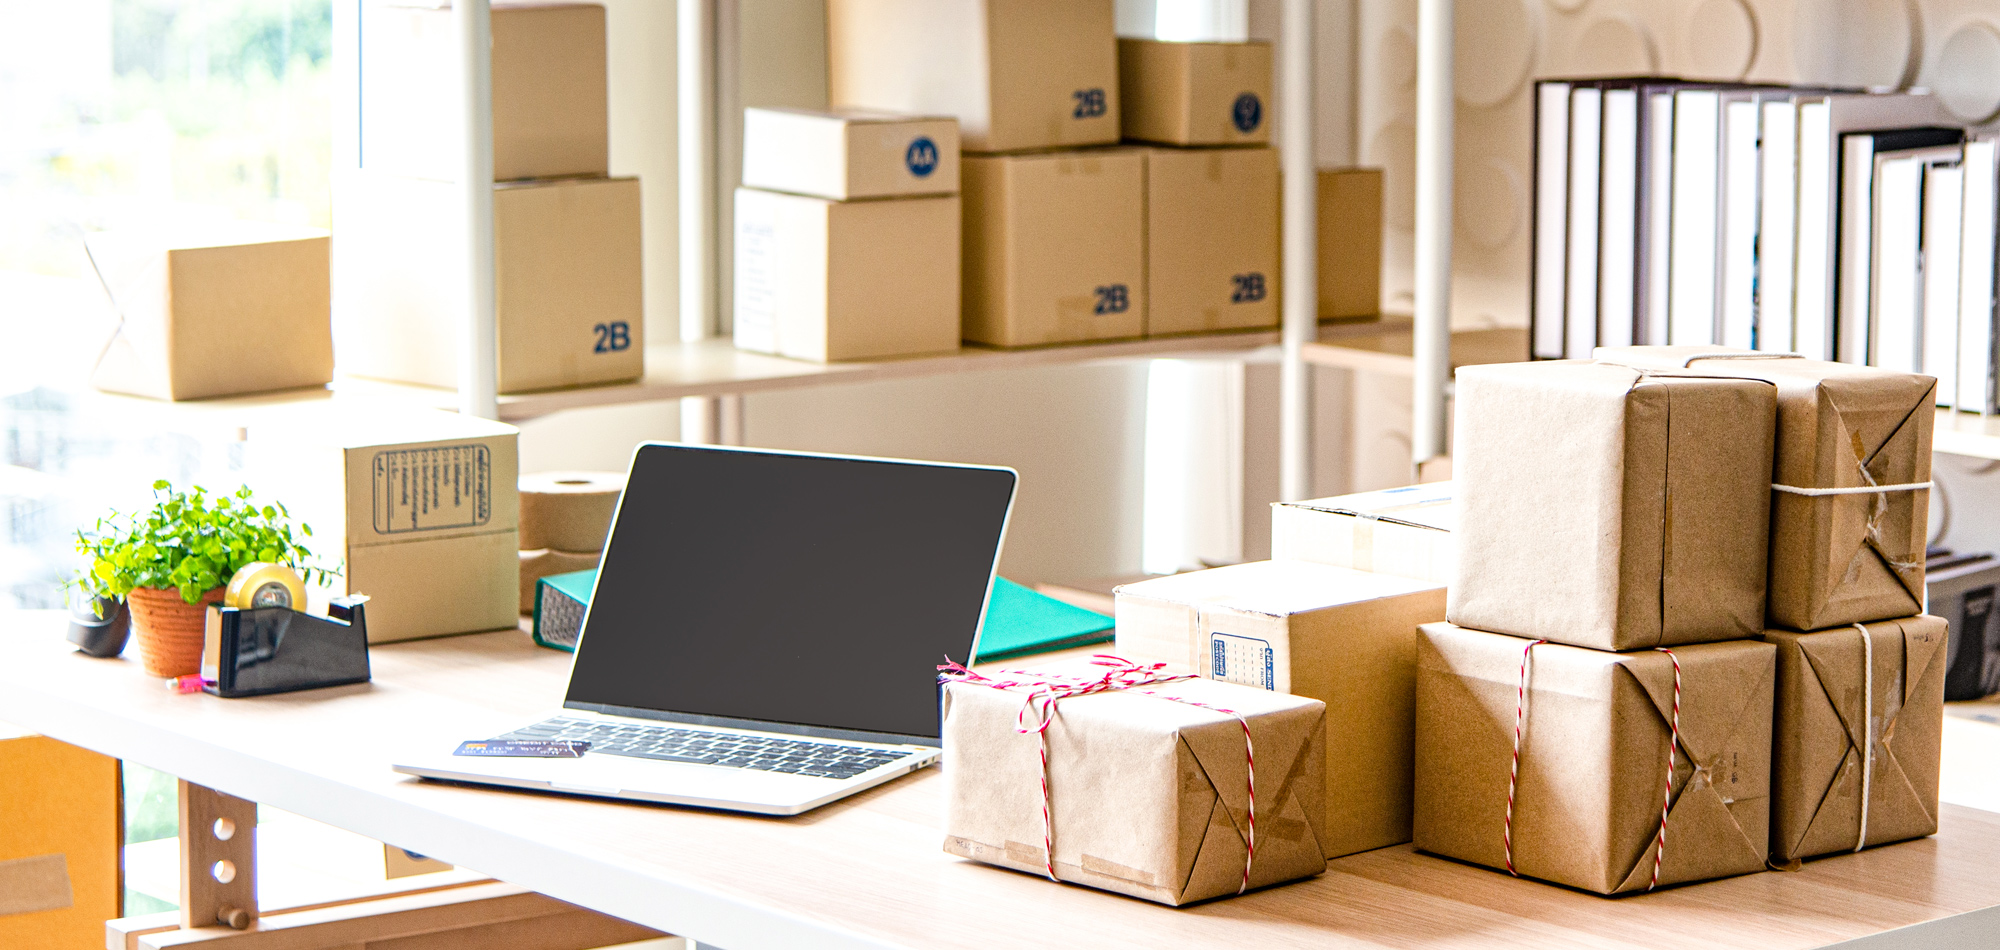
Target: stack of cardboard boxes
x,y
1620,699
566,234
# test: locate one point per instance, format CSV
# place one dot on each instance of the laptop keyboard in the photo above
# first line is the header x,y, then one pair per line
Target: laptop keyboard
x,y
727,749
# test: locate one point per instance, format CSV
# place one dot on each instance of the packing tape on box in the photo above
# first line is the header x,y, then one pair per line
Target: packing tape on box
x,y
536,565
568,511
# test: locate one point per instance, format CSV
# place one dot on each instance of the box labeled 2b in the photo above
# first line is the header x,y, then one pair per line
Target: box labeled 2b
x,y
1055,247
1211,239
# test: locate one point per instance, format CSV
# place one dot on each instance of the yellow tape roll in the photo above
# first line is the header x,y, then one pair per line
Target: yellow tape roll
x,y
265,585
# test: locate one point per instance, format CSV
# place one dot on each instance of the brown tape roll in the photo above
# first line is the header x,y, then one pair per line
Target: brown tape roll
x,y
536,565
568,511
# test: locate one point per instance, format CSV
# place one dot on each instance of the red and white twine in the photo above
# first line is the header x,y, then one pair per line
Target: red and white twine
x,y
1038,712
1514,768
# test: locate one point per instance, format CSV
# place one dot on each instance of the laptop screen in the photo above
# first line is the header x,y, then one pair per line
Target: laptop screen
x,y
779,588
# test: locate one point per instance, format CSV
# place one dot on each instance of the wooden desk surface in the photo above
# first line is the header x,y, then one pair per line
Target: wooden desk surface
x,y
868,871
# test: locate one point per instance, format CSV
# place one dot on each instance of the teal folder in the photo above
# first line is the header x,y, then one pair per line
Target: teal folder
x,y
1020,621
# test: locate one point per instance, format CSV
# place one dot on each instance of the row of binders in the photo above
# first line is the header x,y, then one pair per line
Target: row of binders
x,y
1836,224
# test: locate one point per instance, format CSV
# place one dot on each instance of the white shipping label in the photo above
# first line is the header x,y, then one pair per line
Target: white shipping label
x,y
1245,661
446,486
756,322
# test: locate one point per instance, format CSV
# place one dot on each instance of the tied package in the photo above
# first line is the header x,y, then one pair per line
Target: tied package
x,y
1149,785
1840,553
1859,715
1610,507
1344,637
1578,800
1402,531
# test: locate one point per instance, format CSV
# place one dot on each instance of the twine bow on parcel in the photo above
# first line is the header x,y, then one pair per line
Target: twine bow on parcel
x,y
1043,691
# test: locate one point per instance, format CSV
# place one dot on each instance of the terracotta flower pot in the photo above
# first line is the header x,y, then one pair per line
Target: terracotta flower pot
x,y
169,629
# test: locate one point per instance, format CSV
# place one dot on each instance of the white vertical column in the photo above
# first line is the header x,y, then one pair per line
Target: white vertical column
x,y
478,355
695,42
1432,345
1301,246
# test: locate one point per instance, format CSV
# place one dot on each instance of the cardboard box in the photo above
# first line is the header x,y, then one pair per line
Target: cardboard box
x,y
567,277
1147,794
1055,247
1211,239
1402,531
1830,715
214,310
1350,243
422,506
1194,93
550,107
1609,508
849,153
1017,74
1593,758
1835,559
61,844
846,280
1344,637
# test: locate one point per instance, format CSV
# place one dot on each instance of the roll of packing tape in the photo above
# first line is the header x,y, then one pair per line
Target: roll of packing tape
x,y
568,511
536,565
265,585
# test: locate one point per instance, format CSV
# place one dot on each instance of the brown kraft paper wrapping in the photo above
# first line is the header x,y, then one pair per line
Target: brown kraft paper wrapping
x,y
1593,758
1824,725
1841,558
1148,797
1611,508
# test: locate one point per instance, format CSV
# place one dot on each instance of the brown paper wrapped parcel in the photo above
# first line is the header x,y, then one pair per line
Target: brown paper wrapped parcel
x,y
1842,557
1609,507
1147,796
1841,695
1347,638
1595,730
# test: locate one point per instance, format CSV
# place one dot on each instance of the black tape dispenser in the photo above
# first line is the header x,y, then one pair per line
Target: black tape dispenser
x,y
256,643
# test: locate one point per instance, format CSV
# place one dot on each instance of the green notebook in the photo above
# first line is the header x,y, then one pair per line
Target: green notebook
x,y
1020,621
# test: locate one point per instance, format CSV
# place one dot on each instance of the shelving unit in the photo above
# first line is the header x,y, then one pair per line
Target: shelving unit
x,y
1967,434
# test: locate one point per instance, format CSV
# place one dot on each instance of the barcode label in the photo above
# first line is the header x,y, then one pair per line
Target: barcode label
x,y
1245,661
448,486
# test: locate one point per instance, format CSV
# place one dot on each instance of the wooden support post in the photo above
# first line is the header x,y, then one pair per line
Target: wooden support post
x,y
218,858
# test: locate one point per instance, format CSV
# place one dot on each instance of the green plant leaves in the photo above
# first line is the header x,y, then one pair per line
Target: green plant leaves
x,y
190,542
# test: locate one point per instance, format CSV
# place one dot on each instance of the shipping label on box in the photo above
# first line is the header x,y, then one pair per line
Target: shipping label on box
x,y
1848,554
849,153
214,310
1344,637
1211,239
1054,247
1403,531
1859,712
1179,93
1016,74
1580,803
824,280
1611,508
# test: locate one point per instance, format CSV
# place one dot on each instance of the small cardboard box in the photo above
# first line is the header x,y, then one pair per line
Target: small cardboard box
x,y
1017,74
1194,93
1211,239
1593,759
1350,243
550,106
1611,508
568,282
1344,637
1055,247
215,310
1836,559
1148,795
846,280
1402,531
422,507
61,845
849,153
1849,706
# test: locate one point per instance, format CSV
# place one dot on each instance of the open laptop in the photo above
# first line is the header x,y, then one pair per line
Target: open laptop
x,y
765,631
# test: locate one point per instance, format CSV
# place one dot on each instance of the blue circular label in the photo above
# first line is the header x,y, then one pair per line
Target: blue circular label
x,y
1247,112
921,156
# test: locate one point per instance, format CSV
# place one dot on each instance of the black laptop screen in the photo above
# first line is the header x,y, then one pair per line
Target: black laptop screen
x,y
799,589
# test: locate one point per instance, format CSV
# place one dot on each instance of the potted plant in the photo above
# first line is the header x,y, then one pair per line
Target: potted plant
x,y
170,562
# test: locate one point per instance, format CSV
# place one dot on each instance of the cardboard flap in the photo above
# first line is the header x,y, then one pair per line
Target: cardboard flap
x,y
1887,428
1709,720
1896,810
1703,841
1837,660
1920,650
